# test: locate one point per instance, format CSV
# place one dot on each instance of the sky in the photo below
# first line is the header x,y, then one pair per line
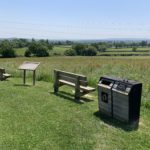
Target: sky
x,y
75,19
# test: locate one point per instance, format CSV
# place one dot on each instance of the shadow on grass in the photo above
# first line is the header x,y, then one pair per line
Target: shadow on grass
x,y
24,85
6,80
70,97
117,124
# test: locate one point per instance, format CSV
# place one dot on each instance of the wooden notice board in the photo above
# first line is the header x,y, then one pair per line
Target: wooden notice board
x,y
31,66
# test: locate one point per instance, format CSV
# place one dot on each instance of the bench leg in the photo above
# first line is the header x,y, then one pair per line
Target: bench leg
x,y
77,98
56,89
77,94
77,89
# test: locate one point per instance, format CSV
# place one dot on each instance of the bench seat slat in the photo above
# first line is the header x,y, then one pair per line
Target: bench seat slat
x,y
87,88
84,88
6,75
3,75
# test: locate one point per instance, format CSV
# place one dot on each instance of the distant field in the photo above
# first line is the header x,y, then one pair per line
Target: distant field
x,y
129,67
129,49
123,53
126,51
59,50
20,51
35,118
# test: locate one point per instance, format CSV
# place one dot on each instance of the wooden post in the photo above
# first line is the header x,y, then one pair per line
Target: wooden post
x,y
56,81
77,88
24,76
34,76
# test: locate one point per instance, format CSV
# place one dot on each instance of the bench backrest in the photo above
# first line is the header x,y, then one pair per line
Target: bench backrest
x,y
71,77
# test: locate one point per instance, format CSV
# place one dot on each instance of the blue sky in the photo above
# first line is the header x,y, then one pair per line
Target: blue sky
x,y
75,19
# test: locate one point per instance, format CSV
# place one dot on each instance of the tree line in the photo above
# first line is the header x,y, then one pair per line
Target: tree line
x,y
41,48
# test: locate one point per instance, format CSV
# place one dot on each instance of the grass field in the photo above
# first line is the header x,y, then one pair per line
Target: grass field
x,y
60,49
129,49
57,50
20,51
126,51
35,118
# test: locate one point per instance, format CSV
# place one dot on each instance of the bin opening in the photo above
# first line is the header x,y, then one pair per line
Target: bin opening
x,y
106,82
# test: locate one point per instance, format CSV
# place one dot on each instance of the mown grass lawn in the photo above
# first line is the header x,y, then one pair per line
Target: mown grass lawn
x,y
33,118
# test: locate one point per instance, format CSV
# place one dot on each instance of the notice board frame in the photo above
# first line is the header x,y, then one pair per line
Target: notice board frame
x,y
30,66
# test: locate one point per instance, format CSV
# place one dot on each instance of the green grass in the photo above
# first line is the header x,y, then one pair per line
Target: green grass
x,y
124,52
129,49
20,51
59,50
34,118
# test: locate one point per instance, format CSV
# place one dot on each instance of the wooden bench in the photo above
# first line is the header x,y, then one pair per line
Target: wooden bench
x,y
3,74
79,82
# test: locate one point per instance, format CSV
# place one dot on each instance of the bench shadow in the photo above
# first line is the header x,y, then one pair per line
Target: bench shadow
x,y
6,80
115,123
70,97
26,85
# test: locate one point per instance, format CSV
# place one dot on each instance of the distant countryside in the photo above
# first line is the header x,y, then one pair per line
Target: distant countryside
x,y
44,48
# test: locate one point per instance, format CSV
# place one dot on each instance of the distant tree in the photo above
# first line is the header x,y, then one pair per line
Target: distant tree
x,y
96,45
19,43
27,53
59,43
7,50
33,47
38,49
102,48
90,51
68,42
134,49
144,43
70,52
9,53
42,51
33,40
79,48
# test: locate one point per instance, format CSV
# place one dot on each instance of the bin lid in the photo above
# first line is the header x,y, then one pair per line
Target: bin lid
x,y
118,83
125,85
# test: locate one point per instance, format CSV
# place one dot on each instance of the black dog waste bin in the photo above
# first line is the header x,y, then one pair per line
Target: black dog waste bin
x,y
120,99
